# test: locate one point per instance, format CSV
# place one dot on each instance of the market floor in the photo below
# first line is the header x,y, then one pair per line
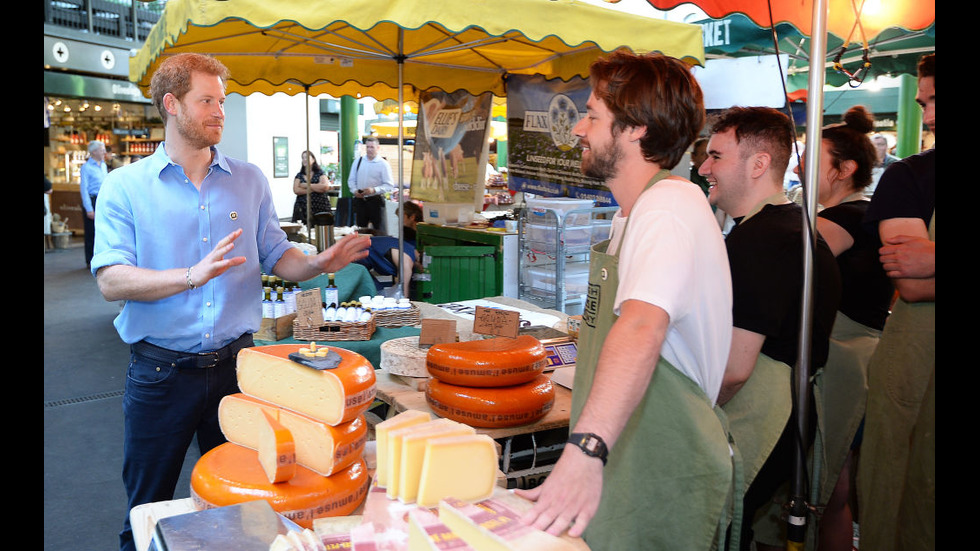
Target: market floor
x,y
84,376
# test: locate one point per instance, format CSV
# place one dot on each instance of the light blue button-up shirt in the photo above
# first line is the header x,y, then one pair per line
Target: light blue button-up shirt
x,y
92,174
151,216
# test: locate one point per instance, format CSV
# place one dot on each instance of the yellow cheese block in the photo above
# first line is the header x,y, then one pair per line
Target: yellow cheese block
x,y
394,461
319,447
277,450
490,526
463,467
427,533
414,448
334,396
403,419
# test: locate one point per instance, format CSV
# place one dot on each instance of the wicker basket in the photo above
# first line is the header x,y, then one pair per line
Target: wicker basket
x,y
335,331
399,317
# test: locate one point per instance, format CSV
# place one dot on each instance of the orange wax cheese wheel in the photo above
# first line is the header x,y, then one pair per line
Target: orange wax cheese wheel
x,y
492,407
277,451
381,430
319,447
230,474
333,396
500,361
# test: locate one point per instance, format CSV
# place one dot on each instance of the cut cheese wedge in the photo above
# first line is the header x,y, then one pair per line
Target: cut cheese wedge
x,y
333,396
427,533
464,467
230,474
490,526
414,448
381,430
395,438
500,361
492,407
277,450
320,447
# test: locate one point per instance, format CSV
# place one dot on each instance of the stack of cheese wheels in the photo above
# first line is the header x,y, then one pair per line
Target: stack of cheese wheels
x,y
423,460
490,383
296,436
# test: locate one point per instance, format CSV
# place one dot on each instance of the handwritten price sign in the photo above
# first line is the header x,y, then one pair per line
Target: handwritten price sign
x,y
495,321
309,307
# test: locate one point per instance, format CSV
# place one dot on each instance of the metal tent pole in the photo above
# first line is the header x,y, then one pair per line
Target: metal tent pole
x,y
796,522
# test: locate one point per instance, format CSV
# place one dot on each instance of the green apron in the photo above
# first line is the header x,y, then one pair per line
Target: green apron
x,y
897,469
668,483
840,391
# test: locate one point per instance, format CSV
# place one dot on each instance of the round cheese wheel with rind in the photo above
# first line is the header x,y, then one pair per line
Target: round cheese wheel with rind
x,y
230,474
333,396
496,362
495,407
402,356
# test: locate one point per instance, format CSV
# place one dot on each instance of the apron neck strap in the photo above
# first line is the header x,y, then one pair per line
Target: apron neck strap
x,y
663,173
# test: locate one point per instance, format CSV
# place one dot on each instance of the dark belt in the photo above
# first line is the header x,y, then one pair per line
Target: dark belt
x,y
196,360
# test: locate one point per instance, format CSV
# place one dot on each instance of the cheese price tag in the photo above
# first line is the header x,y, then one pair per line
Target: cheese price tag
x,y
437,331
309,307
496,321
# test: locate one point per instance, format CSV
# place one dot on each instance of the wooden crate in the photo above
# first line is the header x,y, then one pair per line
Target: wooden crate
x,y
275,329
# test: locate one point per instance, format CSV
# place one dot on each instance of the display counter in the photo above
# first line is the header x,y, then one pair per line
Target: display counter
x,y
527,452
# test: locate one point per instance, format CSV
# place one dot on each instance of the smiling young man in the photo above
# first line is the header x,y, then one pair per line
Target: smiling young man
x,y
647,464
748,154
165,225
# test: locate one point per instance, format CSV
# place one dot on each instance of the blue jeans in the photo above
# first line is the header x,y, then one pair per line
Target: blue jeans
x,y
164,406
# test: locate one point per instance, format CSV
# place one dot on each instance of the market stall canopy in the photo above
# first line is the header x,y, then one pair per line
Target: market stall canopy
x,y
876,15
357,47
891,52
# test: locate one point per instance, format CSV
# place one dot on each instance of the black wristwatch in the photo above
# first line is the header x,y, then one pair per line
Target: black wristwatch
x,y
592,444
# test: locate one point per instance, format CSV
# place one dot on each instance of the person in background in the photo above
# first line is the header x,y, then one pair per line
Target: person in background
x,y
183,236
92,173
882,159
897,483
369,180
318,199
699,152
846,160
383,258
48,242
647,464
748,153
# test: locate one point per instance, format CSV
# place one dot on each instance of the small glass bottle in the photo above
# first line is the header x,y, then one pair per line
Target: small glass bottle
x,y
268,310
290,297
279,305
331,295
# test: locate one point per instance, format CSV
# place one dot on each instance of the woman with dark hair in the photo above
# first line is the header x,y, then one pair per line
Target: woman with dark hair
x,y
847,157
319,202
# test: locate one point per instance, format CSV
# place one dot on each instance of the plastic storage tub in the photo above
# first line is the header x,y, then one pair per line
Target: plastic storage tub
x,y
544,238
576,278
600,230
538,214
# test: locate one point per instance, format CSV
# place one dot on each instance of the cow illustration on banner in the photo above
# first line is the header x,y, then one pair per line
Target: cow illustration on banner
x,y
451,147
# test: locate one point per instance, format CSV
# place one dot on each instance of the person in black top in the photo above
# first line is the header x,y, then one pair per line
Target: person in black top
x,y
319,202
898,495
748,153
847,157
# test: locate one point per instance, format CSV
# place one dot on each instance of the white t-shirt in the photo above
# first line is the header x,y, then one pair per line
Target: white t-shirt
x,y
674,257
